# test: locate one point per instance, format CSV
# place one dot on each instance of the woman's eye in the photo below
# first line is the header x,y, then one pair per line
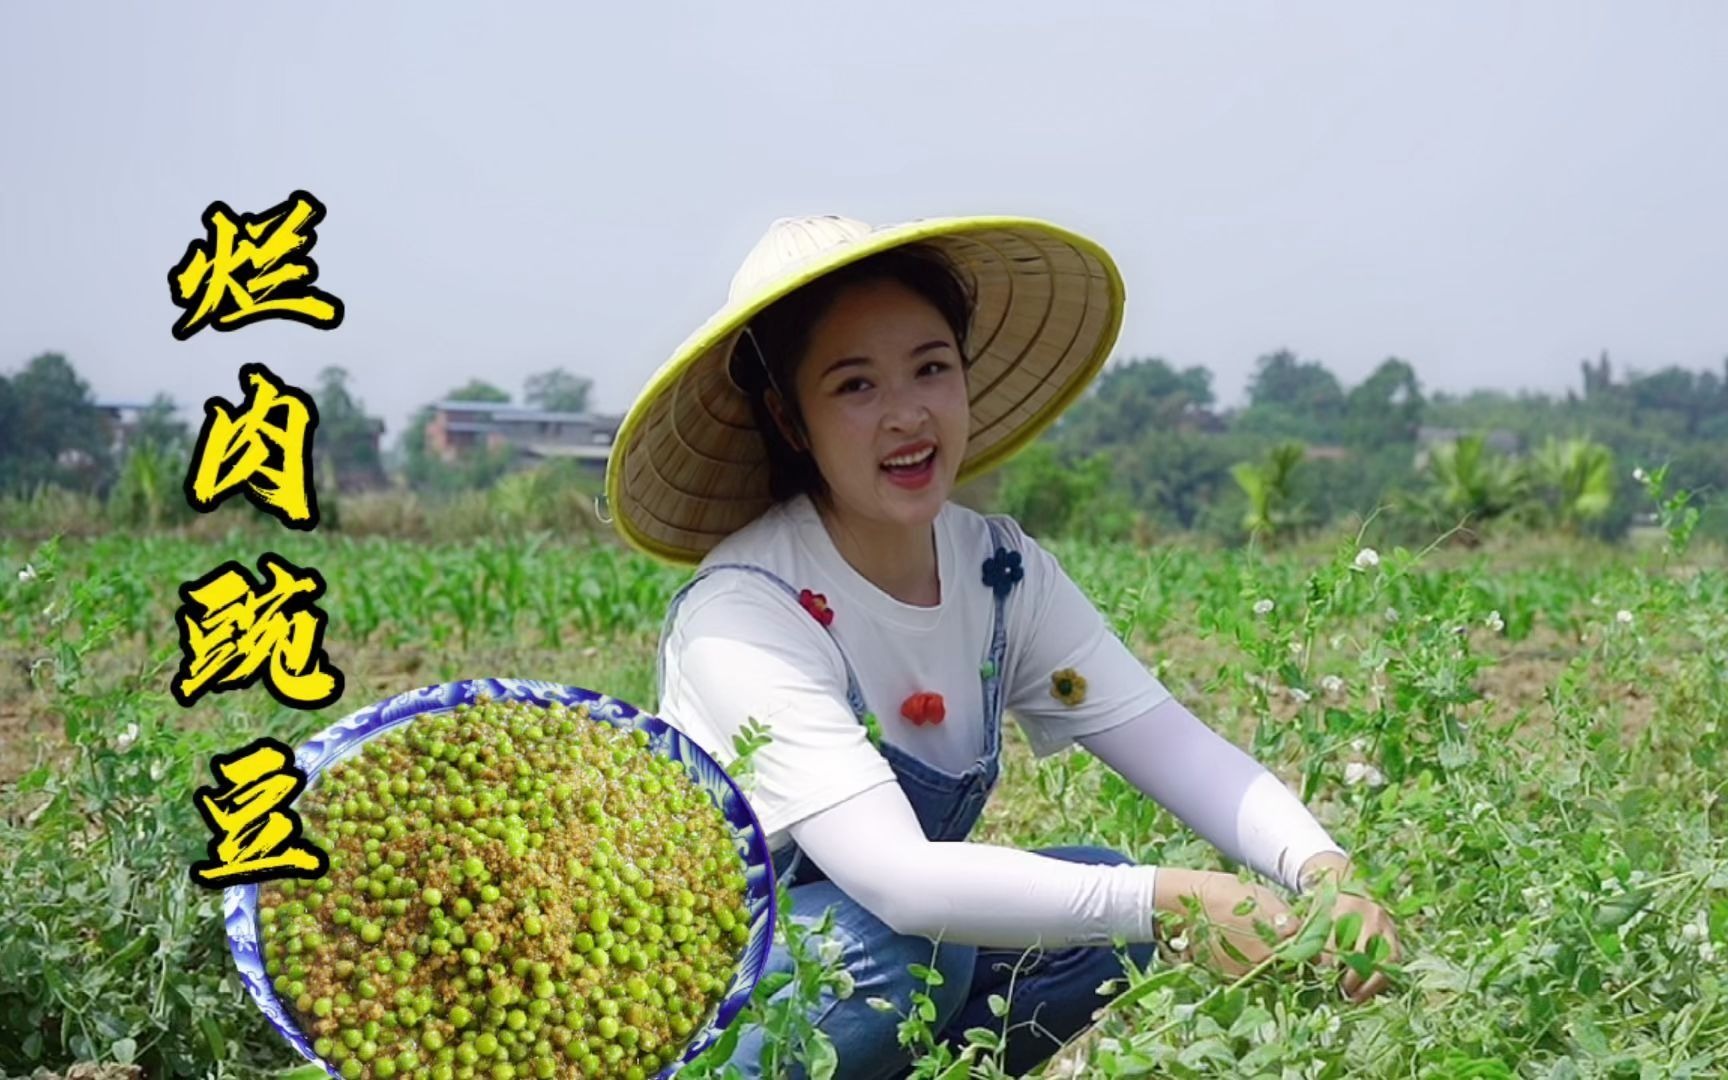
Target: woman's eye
x,y
939,365
842,388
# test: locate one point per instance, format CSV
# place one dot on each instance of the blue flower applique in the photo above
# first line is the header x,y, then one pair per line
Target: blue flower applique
x,y
1002,570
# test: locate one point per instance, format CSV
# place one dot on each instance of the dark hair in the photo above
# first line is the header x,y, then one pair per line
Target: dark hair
x,y
782,330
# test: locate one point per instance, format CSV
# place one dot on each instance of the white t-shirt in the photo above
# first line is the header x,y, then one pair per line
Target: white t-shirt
x,y
740,647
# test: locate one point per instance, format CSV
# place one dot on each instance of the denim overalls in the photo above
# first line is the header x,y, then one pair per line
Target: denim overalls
x,y
1058,987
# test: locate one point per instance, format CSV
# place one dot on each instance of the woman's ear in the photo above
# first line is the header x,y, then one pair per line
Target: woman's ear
x,y
776,409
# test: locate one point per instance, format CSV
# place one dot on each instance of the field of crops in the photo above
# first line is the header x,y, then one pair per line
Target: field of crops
x,y
1523,744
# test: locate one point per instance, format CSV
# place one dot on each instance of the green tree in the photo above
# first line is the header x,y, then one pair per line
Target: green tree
x,y
558,391
58,436
478,390
160,427
1131,398
1293,398
1050,496
1469,483
346,442
1573,483
1269,485
1385,409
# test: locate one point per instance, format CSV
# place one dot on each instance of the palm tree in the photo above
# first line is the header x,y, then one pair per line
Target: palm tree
x,y
1576,481
1272,508
1470,483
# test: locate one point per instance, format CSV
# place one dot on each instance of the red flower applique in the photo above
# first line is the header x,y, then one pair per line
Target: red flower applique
x,y
817,605
924,708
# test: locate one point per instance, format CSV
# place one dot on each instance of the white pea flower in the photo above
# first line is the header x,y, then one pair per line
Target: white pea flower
x,y
1640,475
1179,943
1357,772
127,738
1263,607
1494,622
28,573
880,1004
844,984
1332,686
1367,559
1623,617
1108,986
1281,920
1391,614
1359,745
1707,952
829,950
1637,877
1295,648
1299,695
1327,1023
1692,932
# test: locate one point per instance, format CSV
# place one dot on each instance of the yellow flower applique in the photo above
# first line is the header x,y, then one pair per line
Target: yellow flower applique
x,y
1068,686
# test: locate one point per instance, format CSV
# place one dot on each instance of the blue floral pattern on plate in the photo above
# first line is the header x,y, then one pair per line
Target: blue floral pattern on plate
x,y
345,737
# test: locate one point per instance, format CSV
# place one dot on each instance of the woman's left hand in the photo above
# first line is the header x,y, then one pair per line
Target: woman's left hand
x,y
1375,923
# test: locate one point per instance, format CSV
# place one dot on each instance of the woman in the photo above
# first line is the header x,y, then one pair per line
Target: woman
x,y
802,447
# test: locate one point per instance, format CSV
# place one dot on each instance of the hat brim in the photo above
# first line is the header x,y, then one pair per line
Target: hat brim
x,y
688,466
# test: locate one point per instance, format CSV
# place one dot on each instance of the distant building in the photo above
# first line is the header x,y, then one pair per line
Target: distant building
x,y
462,427
120,418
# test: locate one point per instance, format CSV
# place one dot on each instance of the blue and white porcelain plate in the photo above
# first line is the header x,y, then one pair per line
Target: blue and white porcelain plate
x,y
344,738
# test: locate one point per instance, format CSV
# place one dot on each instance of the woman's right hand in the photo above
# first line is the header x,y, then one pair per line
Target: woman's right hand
x,y
1220,895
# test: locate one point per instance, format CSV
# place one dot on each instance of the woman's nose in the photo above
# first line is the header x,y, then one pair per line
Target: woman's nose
x,y
904,406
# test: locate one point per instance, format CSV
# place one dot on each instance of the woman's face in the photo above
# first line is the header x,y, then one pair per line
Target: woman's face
x,y
882,379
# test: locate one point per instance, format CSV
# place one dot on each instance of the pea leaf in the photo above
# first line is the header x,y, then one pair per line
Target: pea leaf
x,y
823,1059
1310,941
984,1037
1348,930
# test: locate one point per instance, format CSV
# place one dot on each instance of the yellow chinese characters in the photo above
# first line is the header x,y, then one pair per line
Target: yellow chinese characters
x,y
247,447
256,837
251,269
233,634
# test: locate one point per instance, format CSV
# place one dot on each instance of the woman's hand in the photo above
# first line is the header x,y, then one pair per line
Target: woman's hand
x,y
1232,907
1375,922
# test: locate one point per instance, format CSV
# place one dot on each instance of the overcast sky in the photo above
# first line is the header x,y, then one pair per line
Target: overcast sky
x,y
1490,191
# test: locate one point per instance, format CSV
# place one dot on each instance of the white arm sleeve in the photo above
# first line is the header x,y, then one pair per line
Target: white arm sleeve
x,y
1233,801
873,849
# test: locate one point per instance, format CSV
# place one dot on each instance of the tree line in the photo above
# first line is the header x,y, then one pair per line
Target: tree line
x,y
1146,448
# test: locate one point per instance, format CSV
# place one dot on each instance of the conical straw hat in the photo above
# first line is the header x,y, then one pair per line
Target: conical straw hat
x,y
689,467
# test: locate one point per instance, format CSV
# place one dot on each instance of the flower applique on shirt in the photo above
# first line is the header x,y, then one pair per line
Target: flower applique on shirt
x,y
924,708
1003,570
817,605
1068,686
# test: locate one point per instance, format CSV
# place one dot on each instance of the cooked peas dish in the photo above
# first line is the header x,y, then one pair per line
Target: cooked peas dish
x,y
514,891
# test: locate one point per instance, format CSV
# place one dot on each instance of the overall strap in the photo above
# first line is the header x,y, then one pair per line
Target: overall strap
x,y
997,649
